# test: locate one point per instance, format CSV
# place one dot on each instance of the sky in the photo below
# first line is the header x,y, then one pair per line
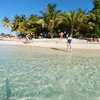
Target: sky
x,y
9,8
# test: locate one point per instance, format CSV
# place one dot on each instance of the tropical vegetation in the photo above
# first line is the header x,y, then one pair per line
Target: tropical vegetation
x,y
78,22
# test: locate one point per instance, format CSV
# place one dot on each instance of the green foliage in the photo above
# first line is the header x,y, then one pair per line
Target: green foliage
x,y
96,4
50,15
72,22
6,22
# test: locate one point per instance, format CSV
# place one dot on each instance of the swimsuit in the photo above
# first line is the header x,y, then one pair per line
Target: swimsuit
x,y
69,41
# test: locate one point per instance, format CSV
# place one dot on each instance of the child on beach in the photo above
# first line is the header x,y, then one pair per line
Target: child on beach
x,y
69,42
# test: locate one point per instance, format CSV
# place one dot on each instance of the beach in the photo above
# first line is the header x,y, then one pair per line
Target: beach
x,y
54,43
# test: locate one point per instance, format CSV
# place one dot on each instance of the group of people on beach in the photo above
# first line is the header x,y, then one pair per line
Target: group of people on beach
x,y
28,37
61,35
69,40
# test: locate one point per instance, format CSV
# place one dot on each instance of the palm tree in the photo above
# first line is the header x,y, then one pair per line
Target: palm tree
x,y
95,17
96,4
85,22
50,17
69,19
32,23
96,12
19,24
75,21
6,22
15,23
23,24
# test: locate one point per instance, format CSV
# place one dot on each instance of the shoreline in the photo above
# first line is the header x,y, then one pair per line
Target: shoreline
x,y
54,43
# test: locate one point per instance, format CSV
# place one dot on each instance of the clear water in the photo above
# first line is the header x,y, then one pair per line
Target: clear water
x,y
34,73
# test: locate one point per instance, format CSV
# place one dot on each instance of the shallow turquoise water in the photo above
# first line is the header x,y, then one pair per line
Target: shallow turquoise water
x,y
34,73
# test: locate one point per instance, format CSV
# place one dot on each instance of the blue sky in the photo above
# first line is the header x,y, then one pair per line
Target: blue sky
x,y
10,8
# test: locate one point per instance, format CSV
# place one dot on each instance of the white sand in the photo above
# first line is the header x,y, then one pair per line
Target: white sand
x,y
55,43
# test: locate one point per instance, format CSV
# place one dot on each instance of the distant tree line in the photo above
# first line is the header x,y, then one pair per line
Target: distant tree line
x,y
78,22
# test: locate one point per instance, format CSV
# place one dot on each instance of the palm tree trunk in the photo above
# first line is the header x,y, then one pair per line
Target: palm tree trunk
x,y
72,28
51,34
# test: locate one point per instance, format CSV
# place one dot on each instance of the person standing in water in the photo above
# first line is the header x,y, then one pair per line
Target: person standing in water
x,y
69,42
